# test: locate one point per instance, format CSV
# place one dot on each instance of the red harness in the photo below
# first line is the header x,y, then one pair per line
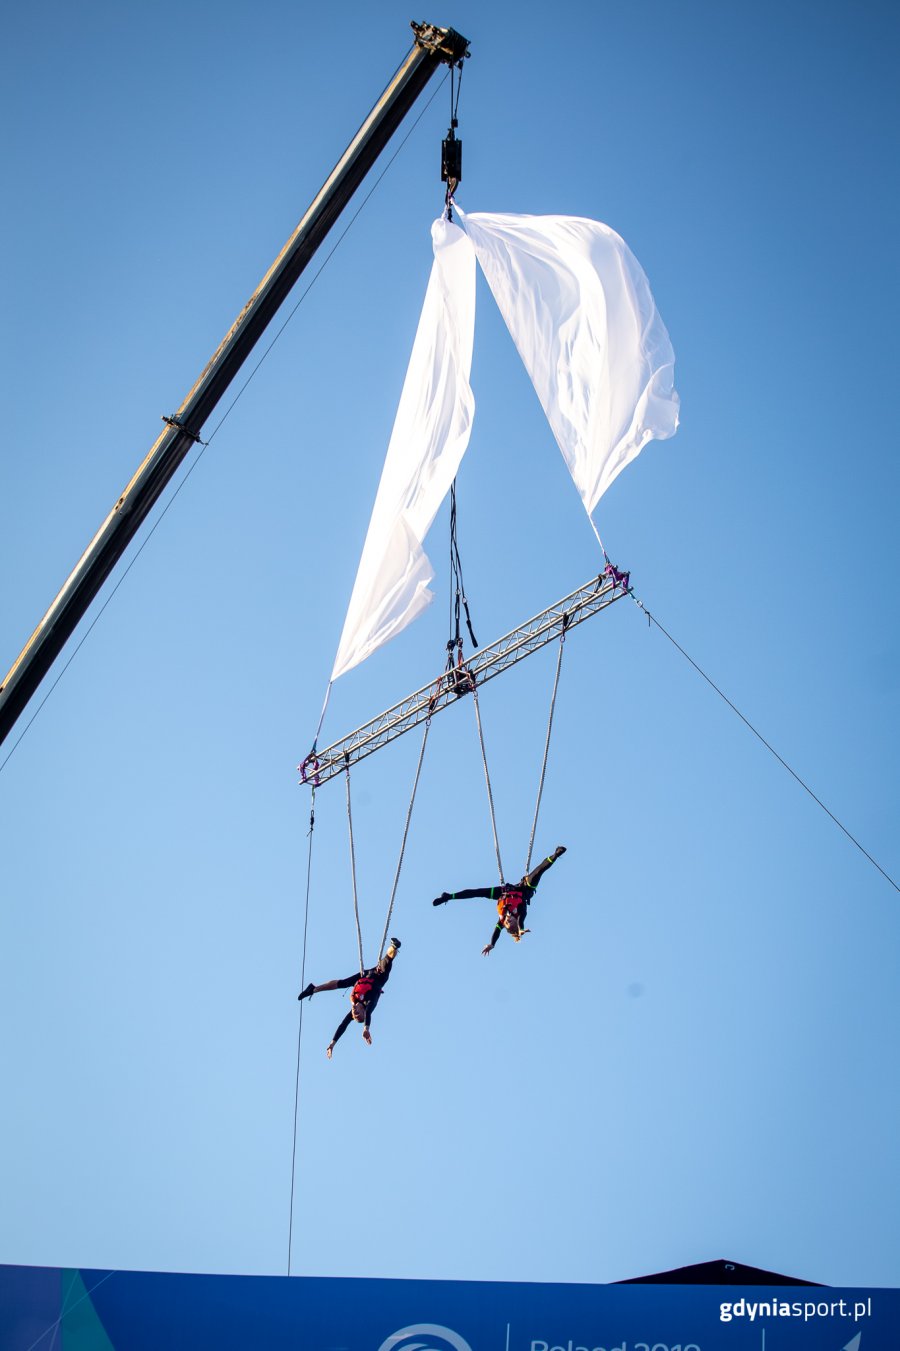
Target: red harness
x,y
510,900
362,989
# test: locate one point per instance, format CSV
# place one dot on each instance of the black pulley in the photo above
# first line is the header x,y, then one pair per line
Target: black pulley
x,y
451,157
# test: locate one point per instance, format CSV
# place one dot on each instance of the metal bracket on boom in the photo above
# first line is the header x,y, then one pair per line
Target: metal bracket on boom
x,y
595,595
446,43
173,420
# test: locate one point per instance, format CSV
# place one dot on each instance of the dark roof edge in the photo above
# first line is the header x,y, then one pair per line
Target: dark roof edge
x,y
719,1272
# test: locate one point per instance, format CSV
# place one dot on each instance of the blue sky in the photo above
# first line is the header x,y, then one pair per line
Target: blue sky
x,y
691,1055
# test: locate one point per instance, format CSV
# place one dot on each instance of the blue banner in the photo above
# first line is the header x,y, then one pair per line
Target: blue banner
x,y
52,1309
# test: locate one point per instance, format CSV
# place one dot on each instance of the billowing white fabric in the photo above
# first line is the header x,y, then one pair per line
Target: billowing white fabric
x,y
581,314
430,436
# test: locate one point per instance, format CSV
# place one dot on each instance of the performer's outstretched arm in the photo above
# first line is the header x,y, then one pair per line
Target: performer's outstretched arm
x,y
341,1029
489,947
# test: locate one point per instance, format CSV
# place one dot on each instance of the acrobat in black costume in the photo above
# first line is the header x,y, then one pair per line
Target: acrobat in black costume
x,y
367,990
512,901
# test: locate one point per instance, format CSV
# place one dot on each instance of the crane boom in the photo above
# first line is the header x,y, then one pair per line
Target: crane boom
x,y
431,48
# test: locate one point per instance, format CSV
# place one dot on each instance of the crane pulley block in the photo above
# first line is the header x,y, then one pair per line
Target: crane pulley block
x,y
451,157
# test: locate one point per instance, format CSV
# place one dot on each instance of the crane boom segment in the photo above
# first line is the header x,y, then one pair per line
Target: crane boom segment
x,y
596,595
432,47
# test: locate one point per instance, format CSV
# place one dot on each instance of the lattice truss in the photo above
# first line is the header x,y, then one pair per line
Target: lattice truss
x,y
454,683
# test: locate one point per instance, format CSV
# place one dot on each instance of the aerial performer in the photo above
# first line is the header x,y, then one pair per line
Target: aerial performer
x,y
512,901
367,989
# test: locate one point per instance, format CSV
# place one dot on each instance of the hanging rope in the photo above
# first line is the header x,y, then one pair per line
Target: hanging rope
x,y
454,100
309,836
651,619
487,779
353,869
457,585
387,922
540,792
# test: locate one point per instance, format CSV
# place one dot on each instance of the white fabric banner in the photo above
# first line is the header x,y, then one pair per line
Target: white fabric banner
x,y
430,436
581,314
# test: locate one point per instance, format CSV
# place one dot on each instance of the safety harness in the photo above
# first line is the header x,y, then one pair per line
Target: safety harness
x,y
510,899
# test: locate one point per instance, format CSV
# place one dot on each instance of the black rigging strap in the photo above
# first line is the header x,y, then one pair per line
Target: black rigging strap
x,y
457,673
457,585
451,146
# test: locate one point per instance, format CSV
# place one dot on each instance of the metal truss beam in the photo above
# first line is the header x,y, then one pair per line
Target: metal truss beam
x,y
596,595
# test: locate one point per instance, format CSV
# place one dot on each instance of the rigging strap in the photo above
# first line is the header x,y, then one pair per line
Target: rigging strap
x,y
353,868
451,147
409,812
457,585
540,792
309,836
487,779
387,922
